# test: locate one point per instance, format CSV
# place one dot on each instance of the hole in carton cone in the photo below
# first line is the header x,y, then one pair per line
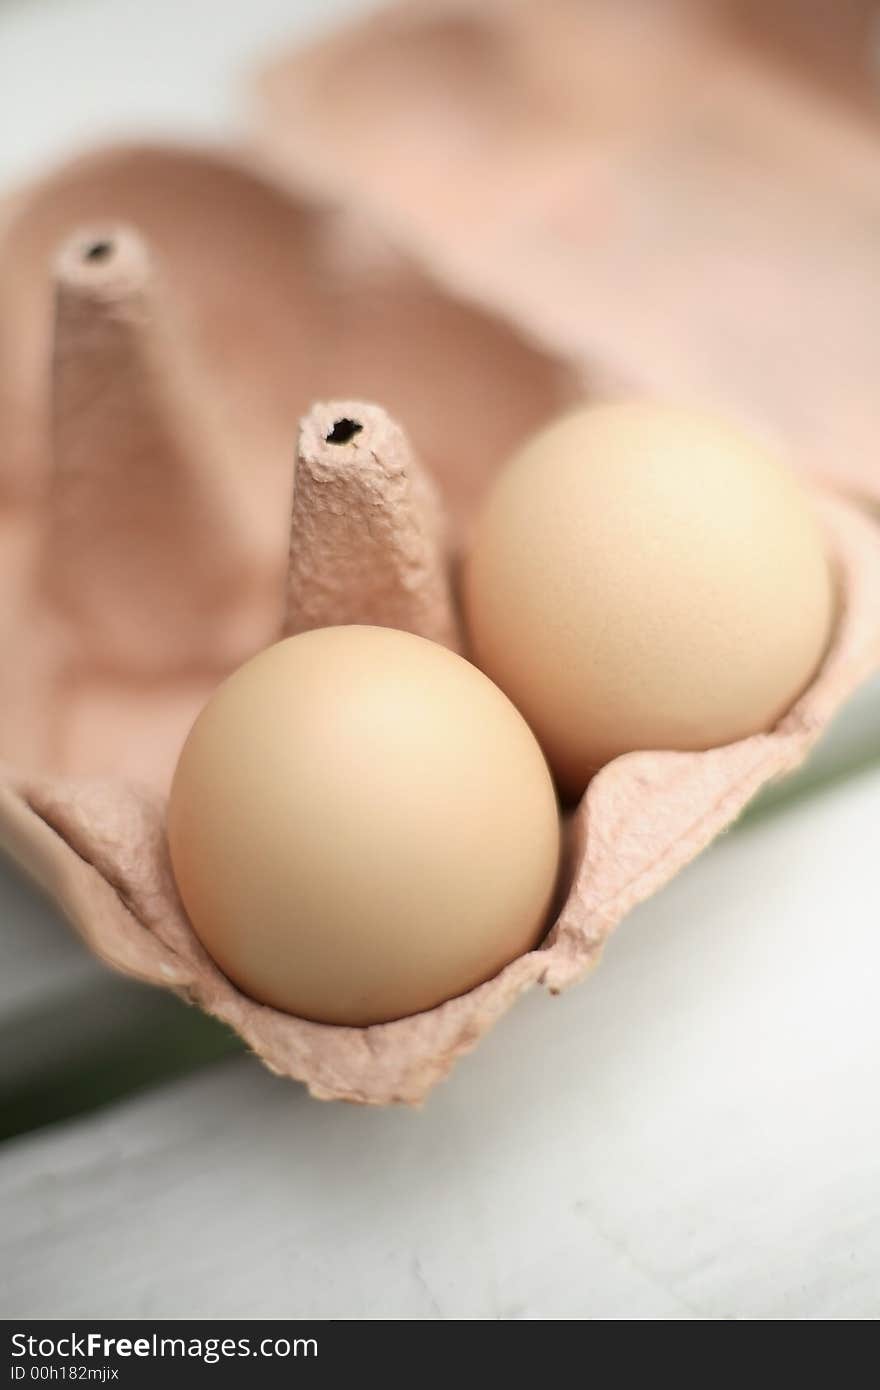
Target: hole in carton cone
x,y
98,251
343,431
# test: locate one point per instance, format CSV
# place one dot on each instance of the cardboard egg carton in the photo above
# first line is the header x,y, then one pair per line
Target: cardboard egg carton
x,y
169,317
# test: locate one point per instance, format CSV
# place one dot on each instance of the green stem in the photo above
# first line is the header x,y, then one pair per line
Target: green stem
x,y
802,786
96,1045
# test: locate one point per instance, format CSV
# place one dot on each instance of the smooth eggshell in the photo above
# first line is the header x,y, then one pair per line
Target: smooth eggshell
x,y
646,577
361,826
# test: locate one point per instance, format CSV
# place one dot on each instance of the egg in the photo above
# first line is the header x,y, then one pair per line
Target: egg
x,y
361,825
646,577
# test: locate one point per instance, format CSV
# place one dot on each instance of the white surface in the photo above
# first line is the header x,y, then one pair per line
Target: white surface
x,y
693,1133
81,71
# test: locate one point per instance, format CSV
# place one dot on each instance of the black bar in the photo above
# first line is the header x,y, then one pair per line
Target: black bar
x,y
128,1353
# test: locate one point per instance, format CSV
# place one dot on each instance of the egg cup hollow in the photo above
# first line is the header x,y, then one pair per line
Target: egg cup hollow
x,y
685,193
157,531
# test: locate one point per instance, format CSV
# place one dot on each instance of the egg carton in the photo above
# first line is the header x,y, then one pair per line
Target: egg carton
x,y
167,319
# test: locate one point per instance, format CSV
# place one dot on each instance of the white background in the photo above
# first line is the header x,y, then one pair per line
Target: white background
x,y
693,1133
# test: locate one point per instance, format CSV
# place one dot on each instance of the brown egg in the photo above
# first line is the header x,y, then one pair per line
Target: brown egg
x,y
361,826
646,577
